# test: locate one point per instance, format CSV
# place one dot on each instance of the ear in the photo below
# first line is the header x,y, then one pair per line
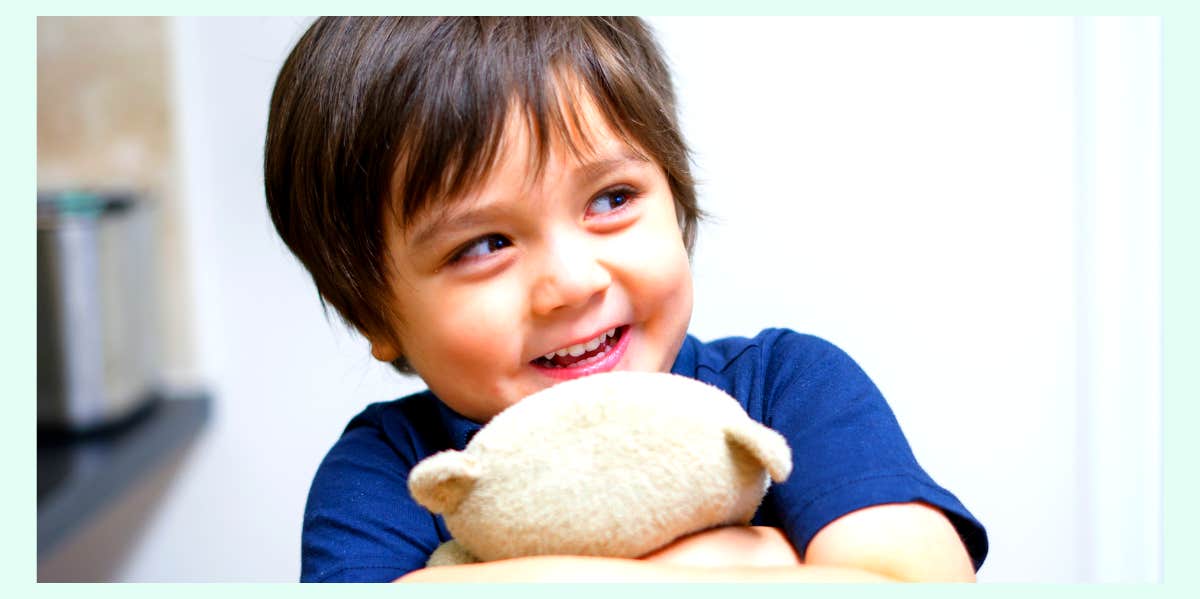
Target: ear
x,y
767,446
441,481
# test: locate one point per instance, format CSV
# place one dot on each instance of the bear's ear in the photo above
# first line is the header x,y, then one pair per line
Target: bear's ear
x,y
766,445
441,481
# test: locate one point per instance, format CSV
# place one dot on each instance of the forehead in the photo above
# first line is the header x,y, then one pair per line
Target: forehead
x,y
584,140
575,141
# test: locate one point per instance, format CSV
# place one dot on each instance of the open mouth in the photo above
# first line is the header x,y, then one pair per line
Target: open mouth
x,y
583,354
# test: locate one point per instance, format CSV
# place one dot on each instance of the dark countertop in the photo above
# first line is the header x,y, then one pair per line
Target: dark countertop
x,y
79,477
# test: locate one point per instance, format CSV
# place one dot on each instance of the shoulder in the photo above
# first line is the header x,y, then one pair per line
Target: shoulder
x,y
848,449
381,442
363,477
775,347
408,428
774,365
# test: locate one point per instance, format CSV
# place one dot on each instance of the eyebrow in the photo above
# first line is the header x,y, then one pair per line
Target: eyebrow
x,y
454,217
441,220
598,168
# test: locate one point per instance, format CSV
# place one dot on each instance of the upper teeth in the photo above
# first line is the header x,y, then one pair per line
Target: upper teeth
x,y
581,348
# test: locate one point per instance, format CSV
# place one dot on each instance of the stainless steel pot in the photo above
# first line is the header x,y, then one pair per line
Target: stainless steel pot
x,y
97,316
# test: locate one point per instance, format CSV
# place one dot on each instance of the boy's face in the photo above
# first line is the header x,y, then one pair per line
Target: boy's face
x,y
586,265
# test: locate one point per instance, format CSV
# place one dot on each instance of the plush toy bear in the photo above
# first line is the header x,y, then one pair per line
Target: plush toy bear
x,y
617,464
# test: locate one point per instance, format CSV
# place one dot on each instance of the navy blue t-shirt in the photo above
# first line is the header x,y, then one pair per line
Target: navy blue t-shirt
x,y
361,525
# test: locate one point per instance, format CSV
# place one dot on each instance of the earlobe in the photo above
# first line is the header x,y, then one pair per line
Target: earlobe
x,y
383,350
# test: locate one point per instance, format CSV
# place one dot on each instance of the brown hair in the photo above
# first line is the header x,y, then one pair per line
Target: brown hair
x,y
372,114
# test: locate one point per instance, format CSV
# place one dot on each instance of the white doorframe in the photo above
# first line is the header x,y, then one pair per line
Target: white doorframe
x,y
1119,283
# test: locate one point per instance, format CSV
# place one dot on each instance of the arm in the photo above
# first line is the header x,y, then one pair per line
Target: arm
x,y
602,569
909,542
899,542
886,543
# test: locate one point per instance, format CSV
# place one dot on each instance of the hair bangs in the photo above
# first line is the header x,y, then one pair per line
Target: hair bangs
x,y
454,157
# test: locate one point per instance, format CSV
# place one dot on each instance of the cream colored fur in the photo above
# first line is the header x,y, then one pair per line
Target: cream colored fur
x,y
616,464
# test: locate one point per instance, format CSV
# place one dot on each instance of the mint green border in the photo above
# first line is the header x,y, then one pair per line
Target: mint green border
x,y
1181,292
17,251
647,7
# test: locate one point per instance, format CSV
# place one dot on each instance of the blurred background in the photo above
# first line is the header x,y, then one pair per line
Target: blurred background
x,y
969,206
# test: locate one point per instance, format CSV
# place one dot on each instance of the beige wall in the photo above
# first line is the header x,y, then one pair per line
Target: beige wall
x,y
104,122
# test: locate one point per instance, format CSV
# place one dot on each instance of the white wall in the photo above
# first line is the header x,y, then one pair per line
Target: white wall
x,y
285,380
968,206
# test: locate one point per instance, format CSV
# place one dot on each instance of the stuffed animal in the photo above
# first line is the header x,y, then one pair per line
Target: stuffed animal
x,y
617,464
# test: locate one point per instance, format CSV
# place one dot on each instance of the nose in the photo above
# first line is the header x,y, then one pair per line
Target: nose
x,y
571,274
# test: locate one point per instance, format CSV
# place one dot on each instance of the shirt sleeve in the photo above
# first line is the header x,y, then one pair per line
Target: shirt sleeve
x,y
360,523
848,450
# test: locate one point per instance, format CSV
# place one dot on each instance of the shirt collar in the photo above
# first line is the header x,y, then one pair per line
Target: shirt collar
x,y
685,361
461,428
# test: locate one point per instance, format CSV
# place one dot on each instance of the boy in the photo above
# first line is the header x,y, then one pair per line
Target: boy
x,y
501,204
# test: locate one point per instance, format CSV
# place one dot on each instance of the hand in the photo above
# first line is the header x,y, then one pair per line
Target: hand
x,y
752,546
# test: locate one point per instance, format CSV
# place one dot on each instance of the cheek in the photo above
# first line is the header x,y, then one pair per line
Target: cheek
x,y
468,327
676,287
663,304
661,277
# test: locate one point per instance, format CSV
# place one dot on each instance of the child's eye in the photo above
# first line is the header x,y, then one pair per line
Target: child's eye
x,y
611,200
481,247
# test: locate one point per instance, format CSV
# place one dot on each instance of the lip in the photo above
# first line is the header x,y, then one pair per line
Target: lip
x,y
609,362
